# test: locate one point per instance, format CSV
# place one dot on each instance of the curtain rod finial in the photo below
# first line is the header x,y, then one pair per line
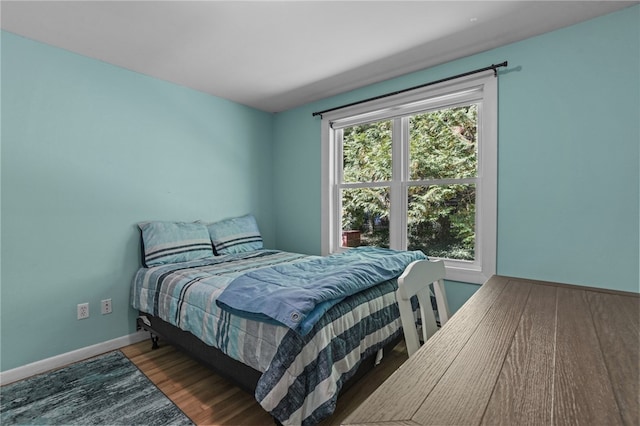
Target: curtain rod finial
x,y
496,66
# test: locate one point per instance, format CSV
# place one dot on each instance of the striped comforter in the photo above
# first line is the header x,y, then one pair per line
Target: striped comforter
x,y
302,375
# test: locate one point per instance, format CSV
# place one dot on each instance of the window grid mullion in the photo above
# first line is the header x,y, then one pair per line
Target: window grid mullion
x,y
337,195
404,194
395,209
451,181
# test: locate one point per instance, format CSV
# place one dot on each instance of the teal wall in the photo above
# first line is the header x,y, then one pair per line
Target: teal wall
x,y
569,156
88,151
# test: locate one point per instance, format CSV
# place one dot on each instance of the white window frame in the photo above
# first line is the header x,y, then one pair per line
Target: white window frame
x,y
481,88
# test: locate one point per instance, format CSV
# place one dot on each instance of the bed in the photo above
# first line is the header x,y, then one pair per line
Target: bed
x,y
215,292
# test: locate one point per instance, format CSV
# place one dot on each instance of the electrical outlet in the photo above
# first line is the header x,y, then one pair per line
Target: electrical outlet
x,y
105,306
83,310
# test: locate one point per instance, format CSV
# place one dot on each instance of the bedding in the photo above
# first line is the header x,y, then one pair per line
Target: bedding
x,y
298,294
170,242
235,235
301,373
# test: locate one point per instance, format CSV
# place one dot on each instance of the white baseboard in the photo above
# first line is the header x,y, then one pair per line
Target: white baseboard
x,y
61,360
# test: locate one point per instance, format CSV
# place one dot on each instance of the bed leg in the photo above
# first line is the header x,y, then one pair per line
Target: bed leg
x,y
154,341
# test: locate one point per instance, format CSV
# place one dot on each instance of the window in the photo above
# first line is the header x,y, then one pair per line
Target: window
x,y
416,171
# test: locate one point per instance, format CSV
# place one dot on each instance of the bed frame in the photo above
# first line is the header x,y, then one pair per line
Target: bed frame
x,y
244,376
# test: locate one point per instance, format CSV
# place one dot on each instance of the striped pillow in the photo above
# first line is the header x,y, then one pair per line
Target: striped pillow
x,y
235,235
172,242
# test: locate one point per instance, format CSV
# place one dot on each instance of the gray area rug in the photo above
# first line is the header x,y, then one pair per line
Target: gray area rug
x,y
106,390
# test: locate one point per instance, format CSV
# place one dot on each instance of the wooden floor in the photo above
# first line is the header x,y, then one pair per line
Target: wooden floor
x,y
209,399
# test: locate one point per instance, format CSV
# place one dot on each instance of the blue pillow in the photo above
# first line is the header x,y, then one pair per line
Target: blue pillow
x,y
172,242
235,235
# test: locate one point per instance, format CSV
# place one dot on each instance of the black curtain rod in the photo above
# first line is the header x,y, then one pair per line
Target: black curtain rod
x,y
493,67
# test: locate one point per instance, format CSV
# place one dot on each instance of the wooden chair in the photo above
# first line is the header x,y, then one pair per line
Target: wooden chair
x,y
415,281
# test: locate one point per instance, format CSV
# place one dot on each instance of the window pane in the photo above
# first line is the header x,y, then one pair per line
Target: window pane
x,y
366,152
441,220
443,144
365,217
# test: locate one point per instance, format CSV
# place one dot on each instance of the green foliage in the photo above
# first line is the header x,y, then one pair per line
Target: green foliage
x,y
441,218
367,152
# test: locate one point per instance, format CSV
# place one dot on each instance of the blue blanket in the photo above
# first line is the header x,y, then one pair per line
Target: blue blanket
x,y
298,294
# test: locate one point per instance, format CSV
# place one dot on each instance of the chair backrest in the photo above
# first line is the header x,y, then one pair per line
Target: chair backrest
x,y
415,281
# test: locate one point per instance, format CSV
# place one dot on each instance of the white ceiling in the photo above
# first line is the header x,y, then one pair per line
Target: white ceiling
x,y
276,55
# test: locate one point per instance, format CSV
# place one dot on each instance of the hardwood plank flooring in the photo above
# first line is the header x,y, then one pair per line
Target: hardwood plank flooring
x,y
209,399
